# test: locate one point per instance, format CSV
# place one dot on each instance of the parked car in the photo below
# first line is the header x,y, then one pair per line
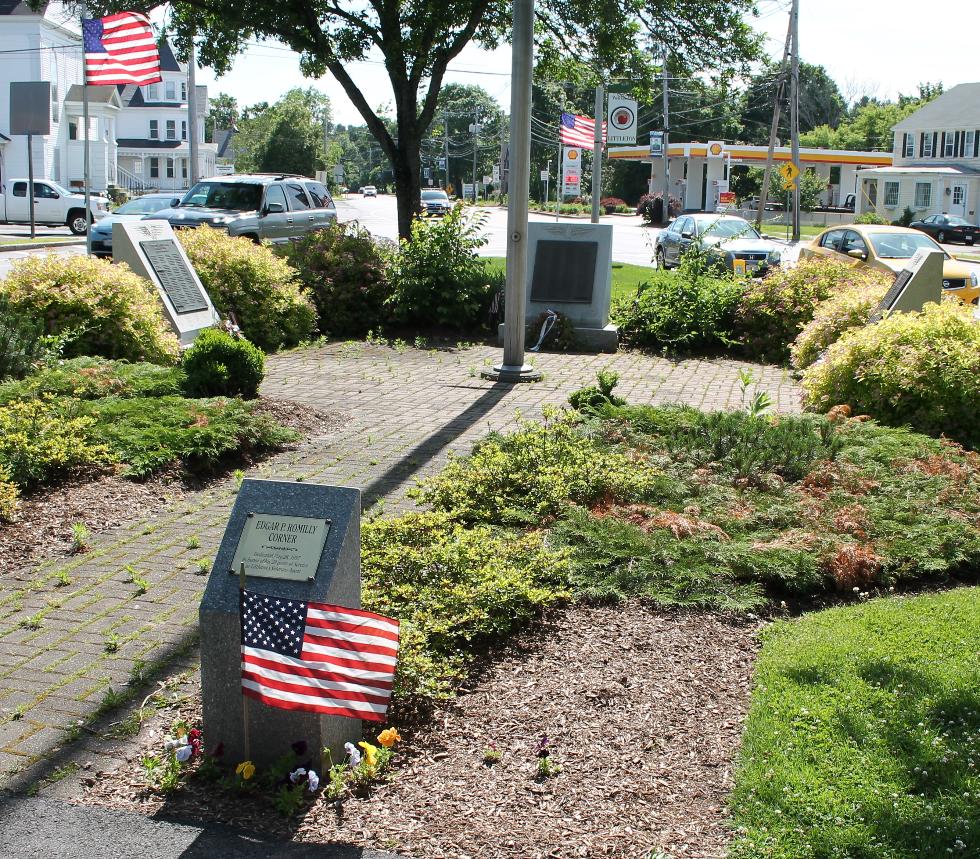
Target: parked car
x,y
435,202
732,241
369,191
100,236
54,206
889,249
255,205
947,228
752,204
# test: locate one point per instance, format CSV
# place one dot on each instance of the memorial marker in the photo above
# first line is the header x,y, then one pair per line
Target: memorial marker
x,y
918,283
151,250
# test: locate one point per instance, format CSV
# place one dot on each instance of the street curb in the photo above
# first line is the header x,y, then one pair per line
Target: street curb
x,y
71,243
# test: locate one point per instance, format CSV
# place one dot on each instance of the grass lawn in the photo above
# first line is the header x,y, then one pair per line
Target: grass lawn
x,y
625,277
14,240
863,739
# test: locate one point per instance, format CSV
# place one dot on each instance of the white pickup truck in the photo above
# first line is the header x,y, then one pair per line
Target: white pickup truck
x,y
53,205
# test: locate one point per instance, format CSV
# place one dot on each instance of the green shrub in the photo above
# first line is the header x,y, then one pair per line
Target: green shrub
x,y
100,308
437,276
906,218
22,341
920,369
345,273
870,218
8,497
774,308
848,308
598,396
650,207
219,365
41,439
90,378
612,204
253,283
455,591
686,311
148,435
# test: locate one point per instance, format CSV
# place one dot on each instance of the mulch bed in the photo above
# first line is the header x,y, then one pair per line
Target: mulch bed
x,y
643,711
102,500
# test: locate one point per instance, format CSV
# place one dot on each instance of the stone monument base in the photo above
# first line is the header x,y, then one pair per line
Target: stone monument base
x,y
604,339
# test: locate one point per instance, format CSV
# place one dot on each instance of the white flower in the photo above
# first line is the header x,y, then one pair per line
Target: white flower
x,y
183,753
296,776
312,781
353,753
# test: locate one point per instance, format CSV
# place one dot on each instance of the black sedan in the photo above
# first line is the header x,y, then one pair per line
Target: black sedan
x,y
947,228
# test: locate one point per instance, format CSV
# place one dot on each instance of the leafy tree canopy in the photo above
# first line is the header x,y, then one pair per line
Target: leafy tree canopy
x,y
287,137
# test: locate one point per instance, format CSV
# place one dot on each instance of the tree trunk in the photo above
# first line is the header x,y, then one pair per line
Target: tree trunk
x,y
407,167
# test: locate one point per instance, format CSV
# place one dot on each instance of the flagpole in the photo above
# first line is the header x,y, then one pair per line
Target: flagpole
x,y
87,167
560,190
192,112
248,750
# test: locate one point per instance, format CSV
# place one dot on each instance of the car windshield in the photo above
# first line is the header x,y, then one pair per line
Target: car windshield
x,y
238,196
728,228
434,195
143,206
901,245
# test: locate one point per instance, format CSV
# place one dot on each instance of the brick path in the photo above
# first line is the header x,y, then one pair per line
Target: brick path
x,y
405,409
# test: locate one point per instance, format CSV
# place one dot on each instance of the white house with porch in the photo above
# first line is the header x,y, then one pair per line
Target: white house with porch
x,y
137,135
937,161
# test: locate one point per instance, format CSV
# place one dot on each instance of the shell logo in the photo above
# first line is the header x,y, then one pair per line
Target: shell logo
x,y
715,149
572,154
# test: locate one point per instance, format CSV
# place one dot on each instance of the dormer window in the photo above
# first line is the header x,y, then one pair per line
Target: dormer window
x,y
171,90
153,92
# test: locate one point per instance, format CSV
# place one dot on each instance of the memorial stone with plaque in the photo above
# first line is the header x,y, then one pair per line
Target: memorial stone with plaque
x,y
298,541
919,282
570,272
151,250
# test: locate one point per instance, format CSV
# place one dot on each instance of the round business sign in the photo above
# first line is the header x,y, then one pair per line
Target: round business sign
x,y
572,154
715,149
622,117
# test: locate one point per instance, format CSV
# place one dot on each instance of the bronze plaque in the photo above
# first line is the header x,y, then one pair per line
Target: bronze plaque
x,y
281,547
176,279
564,271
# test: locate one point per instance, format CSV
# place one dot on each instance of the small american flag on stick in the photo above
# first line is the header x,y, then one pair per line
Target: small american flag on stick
x,y
120,49
318,657
579,131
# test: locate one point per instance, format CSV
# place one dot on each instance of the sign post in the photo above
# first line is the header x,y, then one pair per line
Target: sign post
x,y
30,114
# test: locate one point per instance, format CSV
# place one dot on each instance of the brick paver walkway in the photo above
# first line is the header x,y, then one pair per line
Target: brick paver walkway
x,y
73,629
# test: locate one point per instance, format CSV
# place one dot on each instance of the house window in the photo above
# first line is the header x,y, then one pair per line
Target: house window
x,y
183,91
153,92
183,168
909,146
927,146
948,140
54,101
154,168
154,129
969,137
170,168
891,194
923,195
73,131
183,129
171,129
171,90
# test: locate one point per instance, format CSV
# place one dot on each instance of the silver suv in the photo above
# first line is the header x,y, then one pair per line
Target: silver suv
x,y
277,207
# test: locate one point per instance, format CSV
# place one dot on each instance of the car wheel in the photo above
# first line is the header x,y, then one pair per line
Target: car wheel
x,y
77,223
940,237
662,259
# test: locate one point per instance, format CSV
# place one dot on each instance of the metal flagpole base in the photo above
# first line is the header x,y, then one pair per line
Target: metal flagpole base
x,y
512,373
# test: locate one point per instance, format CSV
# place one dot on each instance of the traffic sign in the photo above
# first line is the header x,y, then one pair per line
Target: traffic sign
x,y
789,184
789,171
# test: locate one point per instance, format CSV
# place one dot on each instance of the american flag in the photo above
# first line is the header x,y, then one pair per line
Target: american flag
x,y
120,49
579,131
322,658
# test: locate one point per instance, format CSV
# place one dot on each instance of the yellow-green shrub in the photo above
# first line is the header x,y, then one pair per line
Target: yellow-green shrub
x,y
8,496
42,438
849,307
249,280
921,369
105,309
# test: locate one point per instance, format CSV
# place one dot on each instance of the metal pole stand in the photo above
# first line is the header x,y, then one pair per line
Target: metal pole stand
x,y
513,367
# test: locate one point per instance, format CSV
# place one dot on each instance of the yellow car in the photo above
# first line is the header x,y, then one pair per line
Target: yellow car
x,y
889,249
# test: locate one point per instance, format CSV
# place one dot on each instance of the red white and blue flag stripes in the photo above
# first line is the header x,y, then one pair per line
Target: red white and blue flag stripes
x,y
322,658
579,131
120,49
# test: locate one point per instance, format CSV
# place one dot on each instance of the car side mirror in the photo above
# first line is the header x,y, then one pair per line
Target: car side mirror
x,y
687,234
274,208
175,201
857,253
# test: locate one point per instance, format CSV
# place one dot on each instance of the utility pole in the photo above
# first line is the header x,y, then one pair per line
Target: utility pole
x,y
546,182
512,368
600,102
475,128
794,109
665,209
445,150
774,128
192,112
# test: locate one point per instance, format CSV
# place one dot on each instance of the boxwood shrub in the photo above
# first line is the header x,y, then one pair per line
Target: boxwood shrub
x,y
920,369
255,284
99,308
219,365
